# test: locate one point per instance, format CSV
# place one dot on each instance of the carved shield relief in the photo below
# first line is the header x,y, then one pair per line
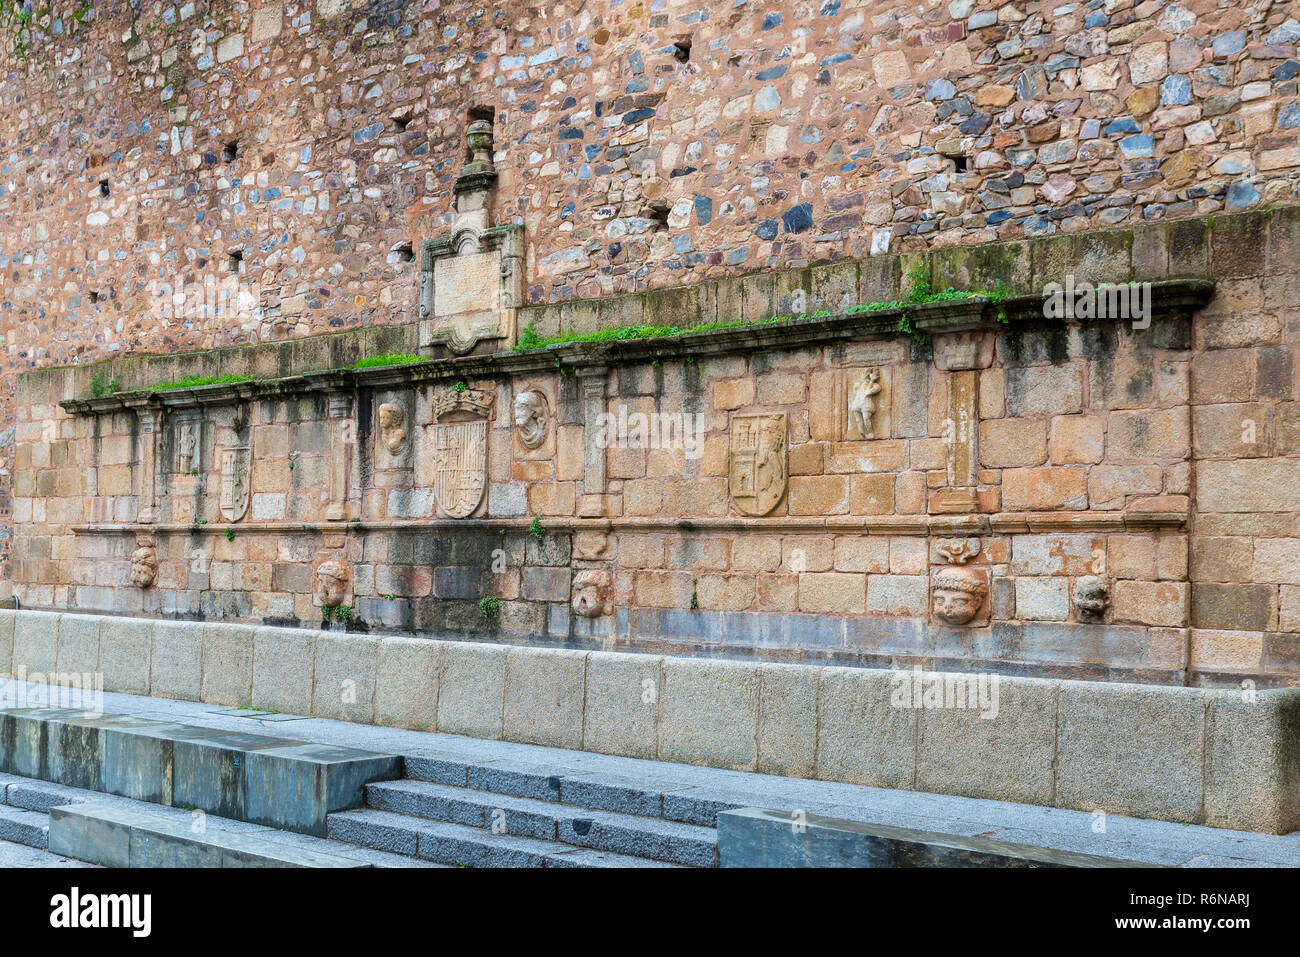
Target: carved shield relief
x,y
460,450
460,456
236,465
757,467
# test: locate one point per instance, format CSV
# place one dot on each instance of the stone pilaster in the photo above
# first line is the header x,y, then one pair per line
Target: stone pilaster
x,y
150,434
343,442
594,382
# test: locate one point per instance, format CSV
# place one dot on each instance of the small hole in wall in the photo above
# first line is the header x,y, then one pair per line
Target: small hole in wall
x,y
236,260
962,163
657,213
401,120
402,253
230,152
94,296
103,187
682,49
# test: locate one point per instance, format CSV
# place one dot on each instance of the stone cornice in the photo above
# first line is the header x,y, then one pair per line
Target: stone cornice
x,y
968,524
958,315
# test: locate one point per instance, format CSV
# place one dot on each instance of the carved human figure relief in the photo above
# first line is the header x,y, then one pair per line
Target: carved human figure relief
x,y
144,566
187,448
592,589
392,427
863,399
333,583
531,418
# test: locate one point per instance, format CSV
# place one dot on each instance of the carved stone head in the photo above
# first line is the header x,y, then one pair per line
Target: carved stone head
x,y
392,426
333,583
592,589
958,595
1091,596
530,415
144,566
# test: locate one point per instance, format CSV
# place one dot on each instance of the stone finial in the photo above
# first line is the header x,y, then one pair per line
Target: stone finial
x,y
479,173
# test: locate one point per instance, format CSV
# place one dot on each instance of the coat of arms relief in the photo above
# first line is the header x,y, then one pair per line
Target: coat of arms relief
x,y
459,427
757,467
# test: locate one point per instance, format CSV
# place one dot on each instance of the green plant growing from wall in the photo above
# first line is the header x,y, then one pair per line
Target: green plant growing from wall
x,y
342,613
388,359
101,385
489,607
230,534
194,381
535,529
460,386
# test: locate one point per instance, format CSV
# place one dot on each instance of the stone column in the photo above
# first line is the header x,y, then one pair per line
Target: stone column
x,y
150,433
593,381
343,441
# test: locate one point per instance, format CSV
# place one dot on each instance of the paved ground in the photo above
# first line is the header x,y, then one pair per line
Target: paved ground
x,y
19,855
1155,842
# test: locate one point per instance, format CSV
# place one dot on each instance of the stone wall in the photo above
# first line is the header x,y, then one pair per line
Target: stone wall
x,y
1029,462
187,176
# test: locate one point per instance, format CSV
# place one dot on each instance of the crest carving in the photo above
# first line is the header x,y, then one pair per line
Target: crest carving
x,y
236,464
757,467
460,449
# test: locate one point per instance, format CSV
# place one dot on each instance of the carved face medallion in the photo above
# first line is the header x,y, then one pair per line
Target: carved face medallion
x,y
958,594
144,566
1091,596
530,416
591,593
392,427
333,583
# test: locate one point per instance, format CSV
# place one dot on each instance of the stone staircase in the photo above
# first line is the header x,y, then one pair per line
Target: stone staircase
x,y
493,816
124,832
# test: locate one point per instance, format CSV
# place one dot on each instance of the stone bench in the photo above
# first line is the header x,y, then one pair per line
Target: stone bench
x,y
1219,757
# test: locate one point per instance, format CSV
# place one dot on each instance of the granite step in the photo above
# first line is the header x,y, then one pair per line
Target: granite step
x,y
119,837
20,826
665,792
280,782
464,845
626,834
25,804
